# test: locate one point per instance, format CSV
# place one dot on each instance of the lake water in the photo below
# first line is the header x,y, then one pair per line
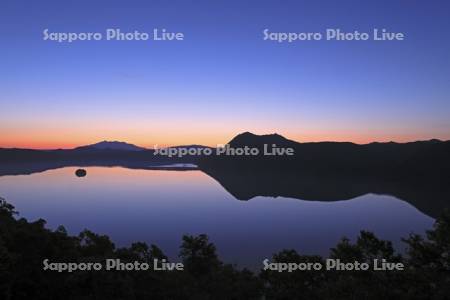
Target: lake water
x,y
160,206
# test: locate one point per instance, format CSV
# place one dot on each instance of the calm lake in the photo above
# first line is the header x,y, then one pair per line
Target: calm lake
x,y
158,207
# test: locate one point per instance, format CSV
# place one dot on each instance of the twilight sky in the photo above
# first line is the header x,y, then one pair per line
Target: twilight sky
x,y
223,78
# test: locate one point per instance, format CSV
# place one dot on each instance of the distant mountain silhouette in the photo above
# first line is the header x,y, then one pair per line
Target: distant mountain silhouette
x,y
424,159
27,161
112,145
253,140
14,161
417,172
388,160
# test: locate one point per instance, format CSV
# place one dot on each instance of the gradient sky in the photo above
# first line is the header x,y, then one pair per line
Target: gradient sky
x,y
223,79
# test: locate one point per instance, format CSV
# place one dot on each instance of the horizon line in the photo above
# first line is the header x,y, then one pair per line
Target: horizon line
x,y
73,146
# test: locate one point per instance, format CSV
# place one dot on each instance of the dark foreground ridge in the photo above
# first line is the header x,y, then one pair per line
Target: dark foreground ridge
x,y
25,245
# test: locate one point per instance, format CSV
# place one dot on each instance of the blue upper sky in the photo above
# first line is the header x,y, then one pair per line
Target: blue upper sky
x,y
223,78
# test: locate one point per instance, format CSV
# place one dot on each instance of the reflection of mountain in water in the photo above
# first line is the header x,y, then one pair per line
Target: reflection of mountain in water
x,y
429,197
416,172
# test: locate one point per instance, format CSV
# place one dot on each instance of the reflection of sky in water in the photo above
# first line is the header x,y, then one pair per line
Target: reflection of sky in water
x,y
160,206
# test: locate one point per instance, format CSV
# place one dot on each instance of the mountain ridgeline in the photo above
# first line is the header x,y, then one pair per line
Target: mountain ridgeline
x,y
391,160
425,159
417,172
112,145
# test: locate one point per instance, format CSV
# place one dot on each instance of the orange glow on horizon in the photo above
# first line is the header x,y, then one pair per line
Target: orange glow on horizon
x,y
68,142
58,132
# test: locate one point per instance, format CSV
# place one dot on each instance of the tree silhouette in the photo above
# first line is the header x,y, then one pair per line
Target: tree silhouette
x,y
24,245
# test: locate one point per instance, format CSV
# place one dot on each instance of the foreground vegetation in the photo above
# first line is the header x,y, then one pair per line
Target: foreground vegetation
x,y
24,245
